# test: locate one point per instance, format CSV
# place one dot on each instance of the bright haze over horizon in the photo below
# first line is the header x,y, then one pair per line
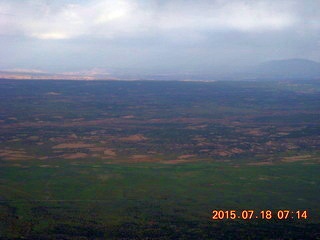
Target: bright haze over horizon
x,y
155,37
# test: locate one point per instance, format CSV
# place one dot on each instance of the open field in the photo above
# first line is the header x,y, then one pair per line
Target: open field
x,y
151,160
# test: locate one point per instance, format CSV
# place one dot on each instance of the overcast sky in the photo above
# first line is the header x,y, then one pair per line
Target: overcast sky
x,y
159,36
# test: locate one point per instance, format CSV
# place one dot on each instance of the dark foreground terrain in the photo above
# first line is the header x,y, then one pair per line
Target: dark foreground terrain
x,y
152,160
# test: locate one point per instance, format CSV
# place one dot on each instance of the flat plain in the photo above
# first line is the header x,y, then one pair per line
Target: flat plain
x,y
152,160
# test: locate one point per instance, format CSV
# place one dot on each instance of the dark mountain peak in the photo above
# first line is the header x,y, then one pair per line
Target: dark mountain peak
x,y
292,62
288,68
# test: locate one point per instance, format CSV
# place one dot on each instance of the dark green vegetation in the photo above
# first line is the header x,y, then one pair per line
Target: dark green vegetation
x,y
151,160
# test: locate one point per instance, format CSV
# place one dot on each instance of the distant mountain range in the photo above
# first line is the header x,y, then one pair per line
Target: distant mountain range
x,y
289,69
286,69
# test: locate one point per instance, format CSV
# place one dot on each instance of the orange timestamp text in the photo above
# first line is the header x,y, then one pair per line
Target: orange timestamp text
x,y
263,214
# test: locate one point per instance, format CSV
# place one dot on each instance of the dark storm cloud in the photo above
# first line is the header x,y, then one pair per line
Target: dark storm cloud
x,y
156,35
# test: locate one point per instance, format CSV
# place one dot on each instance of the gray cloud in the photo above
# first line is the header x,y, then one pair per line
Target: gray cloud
x,y
156,35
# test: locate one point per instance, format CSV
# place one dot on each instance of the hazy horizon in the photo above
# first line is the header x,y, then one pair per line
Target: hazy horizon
x,y
146,37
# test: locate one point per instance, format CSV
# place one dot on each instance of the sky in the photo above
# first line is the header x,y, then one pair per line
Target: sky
x,y
156,36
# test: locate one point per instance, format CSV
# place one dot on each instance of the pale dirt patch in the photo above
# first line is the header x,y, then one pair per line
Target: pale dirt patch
x,y
264,178
224,153
197,127
199,139
15,140
74,155
33,138
283,133
106,177
133,138
57,151
255,132
141,158
297,158
204,144
18,165
73,136
152,152
97,149
53,93
205,150
44,158
271,143
110,152
186,156
177,161
236,150
128,117
312,163
291,146
260,164
77,119
73,145
45,166
9,154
